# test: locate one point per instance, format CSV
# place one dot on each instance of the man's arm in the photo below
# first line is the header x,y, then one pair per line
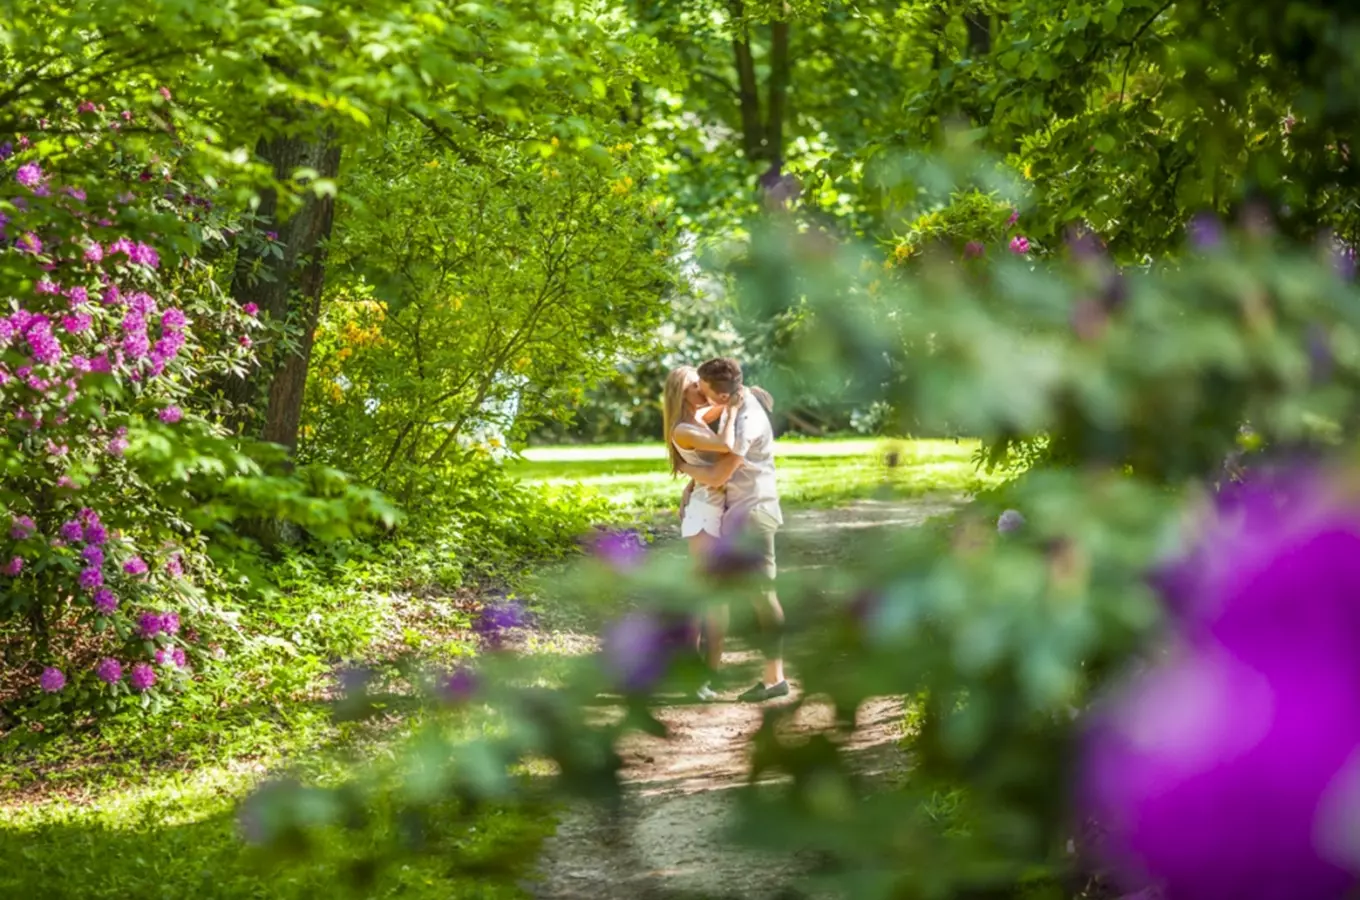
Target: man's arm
x,y
717,474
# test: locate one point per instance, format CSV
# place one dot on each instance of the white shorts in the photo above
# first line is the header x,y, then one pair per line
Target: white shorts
x,y
701,514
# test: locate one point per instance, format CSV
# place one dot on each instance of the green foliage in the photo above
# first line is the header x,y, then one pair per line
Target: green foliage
x,y
477,303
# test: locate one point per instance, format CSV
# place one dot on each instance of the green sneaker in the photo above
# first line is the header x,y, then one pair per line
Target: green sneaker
x,y
762,692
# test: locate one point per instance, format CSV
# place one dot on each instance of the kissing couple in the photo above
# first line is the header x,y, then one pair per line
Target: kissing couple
x,y
718,433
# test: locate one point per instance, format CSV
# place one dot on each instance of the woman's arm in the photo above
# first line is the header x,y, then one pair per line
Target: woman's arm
x,y
717,474
696,437
710,413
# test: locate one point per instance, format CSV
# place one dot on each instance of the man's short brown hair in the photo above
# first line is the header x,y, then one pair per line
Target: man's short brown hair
x,y
723,374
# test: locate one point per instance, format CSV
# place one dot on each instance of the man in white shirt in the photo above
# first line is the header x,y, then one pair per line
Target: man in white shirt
x,y
752,512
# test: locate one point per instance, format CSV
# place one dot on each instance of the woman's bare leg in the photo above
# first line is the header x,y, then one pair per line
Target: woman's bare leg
x,y
715,621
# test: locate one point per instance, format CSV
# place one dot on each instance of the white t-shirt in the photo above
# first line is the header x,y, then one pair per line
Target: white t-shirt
x,y
753,487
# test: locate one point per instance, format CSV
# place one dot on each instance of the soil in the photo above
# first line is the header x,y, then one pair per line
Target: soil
x,y
670,840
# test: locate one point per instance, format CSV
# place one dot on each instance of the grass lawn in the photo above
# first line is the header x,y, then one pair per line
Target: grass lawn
x,y
811,472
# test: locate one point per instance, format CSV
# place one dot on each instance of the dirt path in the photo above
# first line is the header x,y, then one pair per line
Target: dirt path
x,y
671,840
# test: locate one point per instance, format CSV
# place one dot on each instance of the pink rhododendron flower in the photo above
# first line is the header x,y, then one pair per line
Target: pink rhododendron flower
x,y
1020,244
52,680
29,174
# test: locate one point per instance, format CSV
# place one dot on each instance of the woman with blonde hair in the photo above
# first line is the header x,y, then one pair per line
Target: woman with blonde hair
x,y
686,415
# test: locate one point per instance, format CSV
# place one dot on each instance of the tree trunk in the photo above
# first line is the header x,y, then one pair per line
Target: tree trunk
x,y
748,91
287,288
979,25
778,91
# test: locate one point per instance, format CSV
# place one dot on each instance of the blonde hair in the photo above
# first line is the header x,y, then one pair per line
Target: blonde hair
x,y
673,409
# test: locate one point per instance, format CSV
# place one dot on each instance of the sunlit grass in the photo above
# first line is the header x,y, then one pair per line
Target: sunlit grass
x,y
811,472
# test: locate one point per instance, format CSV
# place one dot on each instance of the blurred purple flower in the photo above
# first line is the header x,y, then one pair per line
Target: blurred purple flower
x,y
21,528
974,249
170,623
14,566
1010,521
90,578
1014,217
95,532
497,618
178,657
52,680
93,556
621,548
105,603
1206,232
29,174
71,531
1230,769
171,414
638,649
1020,245
458,686
143,677
135,566
109,670
149,625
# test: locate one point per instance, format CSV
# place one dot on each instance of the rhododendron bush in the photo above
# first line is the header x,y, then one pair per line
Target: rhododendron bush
x,y
113,327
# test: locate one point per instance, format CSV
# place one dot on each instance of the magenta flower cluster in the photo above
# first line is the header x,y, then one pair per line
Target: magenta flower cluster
x,y
92,305
1230,768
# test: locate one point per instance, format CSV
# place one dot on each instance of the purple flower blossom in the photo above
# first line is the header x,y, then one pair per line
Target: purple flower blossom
x,y
164,92
1014,217
251,309
109,670
105,603
638,649
1020,244
1010,521
21,528
95,533
90,578
14,566
170,623
171,414
146,256
178,657
619,548
497,618
135,566
77,323
974,249
74,193
118,446
78,296
1206,232
93,556
1230,769
30,243
29,174
94,253
143,677
71,531
173,318
46,286
150,624
6,150
175,565
52,680
111,295
459,686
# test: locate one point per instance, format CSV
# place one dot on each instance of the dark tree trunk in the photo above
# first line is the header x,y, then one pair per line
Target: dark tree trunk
x,y
778,91
286,288
748,91
979,26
